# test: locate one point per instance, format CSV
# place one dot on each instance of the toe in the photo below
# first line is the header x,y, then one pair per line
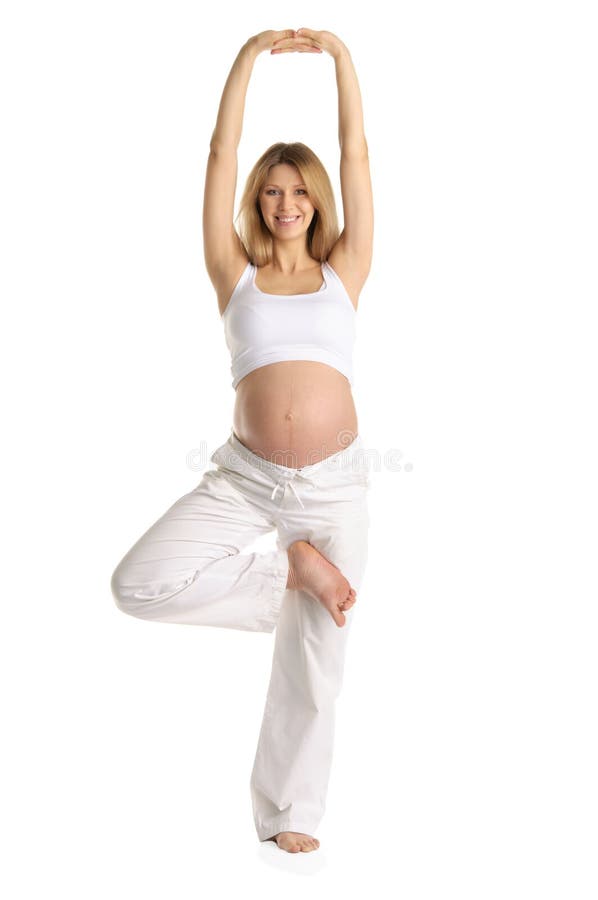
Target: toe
x,y
348,602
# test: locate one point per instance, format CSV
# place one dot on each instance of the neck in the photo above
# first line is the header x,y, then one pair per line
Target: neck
x,y
288,258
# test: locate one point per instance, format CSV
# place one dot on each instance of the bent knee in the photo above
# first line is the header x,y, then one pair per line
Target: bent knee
x,y
142,598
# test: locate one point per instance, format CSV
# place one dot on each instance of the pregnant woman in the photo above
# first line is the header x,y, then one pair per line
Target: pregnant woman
x,y
287,289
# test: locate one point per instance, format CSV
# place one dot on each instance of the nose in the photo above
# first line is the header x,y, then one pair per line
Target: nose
x,y
284,208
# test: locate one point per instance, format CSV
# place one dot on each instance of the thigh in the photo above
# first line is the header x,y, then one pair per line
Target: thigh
x,y
213,520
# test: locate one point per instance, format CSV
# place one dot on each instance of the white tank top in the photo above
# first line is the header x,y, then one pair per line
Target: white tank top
x,y
265,328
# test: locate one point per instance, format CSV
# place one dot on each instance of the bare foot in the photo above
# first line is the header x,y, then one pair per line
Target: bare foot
x,y
311,572
295,841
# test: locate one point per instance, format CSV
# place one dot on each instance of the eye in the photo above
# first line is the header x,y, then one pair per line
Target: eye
x,y
273,190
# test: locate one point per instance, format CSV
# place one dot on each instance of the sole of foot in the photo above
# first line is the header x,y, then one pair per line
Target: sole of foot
x,y
311,572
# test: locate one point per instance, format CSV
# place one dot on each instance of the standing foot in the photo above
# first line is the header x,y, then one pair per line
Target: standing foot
x,y
295,841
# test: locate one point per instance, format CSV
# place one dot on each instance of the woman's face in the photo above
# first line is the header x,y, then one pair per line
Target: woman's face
x,y
284,196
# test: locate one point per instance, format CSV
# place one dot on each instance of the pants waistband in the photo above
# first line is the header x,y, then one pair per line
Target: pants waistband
x,y
342,460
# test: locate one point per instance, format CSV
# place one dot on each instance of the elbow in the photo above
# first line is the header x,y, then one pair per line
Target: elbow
x,y
355,149
220,148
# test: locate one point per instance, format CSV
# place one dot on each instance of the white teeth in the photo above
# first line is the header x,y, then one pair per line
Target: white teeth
x,y
291,219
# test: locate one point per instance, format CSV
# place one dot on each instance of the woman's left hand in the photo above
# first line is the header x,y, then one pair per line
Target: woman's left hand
x,y
306,40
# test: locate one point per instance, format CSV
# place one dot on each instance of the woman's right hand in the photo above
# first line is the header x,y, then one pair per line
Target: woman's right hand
x,y
266,40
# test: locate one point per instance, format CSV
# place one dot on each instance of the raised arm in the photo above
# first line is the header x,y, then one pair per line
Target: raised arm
x,y
223,250
353,251
222,246
357,238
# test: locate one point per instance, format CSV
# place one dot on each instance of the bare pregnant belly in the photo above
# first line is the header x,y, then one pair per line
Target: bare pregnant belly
x,y
295,413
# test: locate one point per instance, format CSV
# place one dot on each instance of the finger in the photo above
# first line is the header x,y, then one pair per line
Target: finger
x,y
307,35
295,44
297,38
295,47
308,42
297,50
285,35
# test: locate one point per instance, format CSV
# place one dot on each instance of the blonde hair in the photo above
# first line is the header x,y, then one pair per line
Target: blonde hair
x,y
323,231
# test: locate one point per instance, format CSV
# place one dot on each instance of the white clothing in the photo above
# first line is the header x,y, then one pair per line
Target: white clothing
x,y
265,328
189,568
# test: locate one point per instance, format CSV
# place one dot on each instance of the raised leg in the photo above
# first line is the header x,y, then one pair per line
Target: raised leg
x,y
188,567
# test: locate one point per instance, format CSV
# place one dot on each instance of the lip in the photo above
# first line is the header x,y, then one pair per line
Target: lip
x,y
286,224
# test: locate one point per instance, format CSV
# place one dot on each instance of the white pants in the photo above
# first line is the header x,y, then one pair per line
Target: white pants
x,y
188,568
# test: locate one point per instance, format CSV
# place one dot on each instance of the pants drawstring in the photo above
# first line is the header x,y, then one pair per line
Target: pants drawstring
x,y
283,484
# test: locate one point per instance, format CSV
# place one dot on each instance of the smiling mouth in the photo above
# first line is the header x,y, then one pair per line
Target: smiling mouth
x,y
287,220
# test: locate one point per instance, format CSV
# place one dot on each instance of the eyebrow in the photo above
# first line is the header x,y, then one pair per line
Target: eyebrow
x,y
271,184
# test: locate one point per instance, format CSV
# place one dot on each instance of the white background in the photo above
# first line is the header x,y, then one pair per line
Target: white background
x,y
466,738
